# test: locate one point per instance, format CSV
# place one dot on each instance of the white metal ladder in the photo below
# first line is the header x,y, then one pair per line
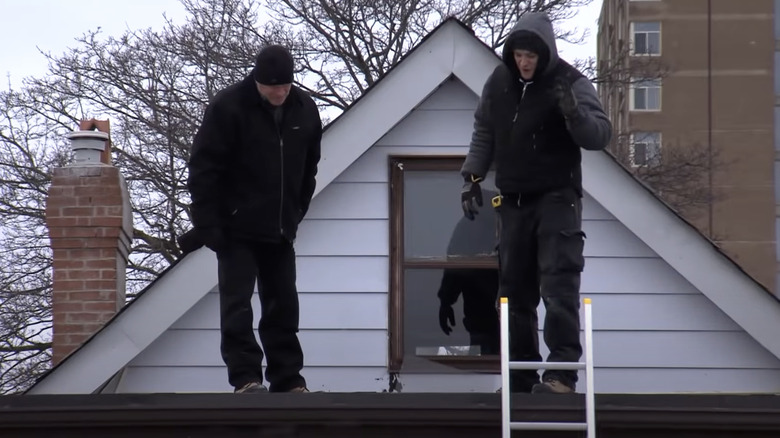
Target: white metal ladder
x,y
507,425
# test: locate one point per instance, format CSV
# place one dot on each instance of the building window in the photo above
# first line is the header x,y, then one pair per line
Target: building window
x,y
646,95
439,261
645,149
645,38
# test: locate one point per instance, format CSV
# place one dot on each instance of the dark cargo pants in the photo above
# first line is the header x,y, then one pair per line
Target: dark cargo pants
x,y
272,265
541,256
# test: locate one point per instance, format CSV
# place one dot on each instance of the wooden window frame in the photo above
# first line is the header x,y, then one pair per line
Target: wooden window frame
x,y
397,165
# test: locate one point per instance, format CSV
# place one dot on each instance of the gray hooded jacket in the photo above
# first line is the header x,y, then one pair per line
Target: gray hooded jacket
x,y
518,124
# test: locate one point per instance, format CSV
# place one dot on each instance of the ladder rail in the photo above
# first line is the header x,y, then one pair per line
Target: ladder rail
x,y
506,421
590,390
507,425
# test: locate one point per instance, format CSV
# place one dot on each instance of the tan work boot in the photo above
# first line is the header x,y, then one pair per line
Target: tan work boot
x,y
299,389
551,386
251,388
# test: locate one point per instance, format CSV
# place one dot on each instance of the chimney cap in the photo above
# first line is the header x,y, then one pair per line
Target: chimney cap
x,y
87,135
87,146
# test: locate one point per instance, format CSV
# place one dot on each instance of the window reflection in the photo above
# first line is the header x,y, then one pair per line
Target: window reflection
x,y
432,211
429,335
450,275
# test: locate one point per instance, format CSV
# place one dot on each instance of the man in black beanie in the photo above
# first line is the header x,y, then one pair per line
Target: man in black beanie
x,y
252,174
535,113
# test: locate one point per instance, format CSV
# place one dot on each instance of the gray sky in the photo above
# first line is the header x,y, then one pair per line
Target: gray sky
x,y
27,26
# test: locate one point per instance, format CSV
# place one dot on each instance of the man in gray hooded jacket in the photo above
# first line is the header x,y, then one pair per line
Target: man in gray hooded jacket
x,y
535,113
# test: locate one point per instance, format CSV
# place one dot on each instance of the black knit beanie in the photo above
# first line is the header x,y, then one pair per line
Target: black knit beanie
x,y
273,66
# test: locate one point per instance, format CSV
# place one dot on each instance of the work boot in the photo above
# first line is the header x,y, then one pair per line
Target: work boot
x,y
551,386
251,388
299,389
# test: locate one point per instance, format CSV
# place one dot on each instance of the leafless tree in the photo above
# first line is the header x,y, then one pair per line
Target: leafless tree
x,y
678,173
153,87
344,46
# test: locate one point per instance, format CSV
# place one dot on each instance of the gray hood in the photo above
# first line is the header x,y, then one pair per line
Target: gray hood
x,y
538,23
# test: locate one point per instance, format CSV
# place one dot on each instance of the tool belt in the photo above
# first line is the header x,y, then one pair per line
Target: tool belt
x,y
514,199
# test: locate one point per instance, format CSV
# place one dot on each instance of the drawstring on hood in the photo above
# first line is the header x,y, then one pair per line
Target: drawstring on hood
x,y
534,32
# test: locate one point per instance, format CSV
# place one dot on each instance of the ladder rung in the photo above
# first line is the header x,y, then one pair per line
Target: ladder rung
x,y
513,365
538,425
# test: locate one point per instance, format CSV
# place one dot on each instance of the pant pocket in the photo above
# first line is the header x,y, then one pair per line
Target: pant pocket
x,y
562,252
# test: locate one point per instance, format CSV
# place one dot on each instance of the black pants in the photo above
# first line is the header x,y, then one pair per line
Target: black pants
x,y
272,265
541,254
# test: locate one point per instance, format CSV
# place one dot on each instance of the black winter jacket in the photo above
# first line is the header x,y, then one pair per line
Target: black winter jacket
x,y
518,126
250,177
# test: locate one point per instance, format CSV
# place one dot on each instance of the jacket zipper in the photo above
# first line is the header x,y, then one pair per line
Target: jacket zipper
x,y
525,85
517,108
281,186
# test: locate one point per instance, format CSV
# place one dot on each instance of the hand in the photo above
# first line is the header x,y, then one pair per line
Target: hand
x,y
567,102
446,314
213,238
471,197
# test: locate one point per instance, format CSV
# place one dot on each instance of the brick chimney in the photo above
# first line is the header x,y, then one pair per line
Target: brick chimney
x,y
89,218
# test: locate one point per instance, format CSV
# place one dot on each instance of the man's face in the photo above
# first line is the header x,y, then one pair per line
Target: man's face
x,y
276,94
526,63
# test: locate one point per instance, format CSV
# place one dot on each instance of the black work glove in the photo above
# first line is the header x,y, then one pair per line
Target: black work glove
x,y
564,95
213,238
471,196
446,314
190,241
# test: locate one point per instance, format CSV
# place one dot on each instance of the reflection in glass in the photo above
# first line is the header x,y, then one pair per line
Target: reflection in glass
x,y
478,288
450,309
431,294
432,211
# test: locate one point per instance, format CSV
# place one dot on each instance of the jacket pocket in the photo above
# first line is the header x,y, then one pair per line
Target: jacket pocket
x,y
257,214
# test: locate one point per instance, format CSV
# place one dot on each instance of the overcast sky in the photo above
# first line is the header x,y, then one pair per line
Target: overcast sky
x,y
30,26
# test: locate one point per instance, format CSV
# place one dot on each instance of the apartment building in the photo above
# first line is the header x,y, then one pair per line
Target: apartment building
x,y
692,90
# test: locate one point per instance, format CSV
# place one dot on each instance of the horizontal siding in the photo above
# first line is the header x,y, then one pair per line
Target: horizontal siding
x,y
617,275
345,311
352,348
593,211
603,275
621,381
451,95
353,237
375,379
612,349
668,312
214,379
675,380
679,349
416,129
351,201
337,274
348,237
612,239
